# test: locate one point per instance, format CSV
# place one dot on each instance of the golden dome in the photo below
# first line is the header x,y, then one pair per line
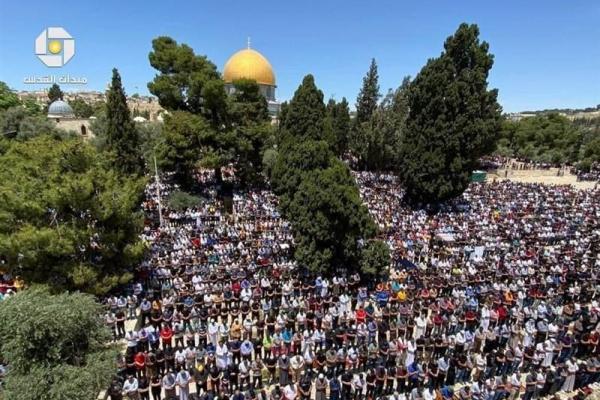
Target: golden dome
x,y
249,64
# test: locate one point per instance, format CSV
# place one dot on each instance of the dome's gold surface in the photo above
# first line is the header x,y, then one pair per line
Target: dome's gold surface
x,y
249,64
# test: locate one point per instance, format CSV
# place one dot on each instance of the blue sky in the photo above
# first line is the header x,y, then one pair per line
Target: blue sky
x,y
547,53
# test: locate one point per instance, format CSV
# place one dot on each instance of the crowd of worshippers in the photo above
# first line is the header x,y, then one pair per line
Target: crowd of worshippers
x,y
489,297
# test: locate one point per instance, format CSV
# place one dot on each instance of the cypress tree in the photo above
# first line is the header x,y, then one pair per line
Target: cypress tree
x,y
122,136
305,114
341,126
453,119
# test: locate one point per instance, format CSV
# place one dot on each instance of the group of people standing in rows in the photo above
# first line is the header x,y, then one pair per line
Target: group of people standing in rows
x,y
492,296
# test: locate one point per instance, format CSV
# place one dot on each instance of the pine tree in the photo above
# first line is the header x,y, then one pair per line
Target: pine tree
x,y
362,134
186,81
54,93
122,136
453,119
369,95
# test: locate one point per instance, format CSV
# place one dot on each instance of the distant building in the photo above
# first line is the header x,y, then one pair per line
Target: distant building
x,y
519,116
61,112
250,64
138,105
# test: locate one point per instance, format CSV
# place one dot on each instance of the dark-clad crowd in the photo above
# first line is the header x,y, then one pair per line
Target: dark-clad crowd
x,y
489,297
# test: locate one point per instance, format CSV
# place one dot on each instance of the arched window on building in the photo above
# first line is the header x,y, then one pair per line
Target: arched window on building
x,y
83,130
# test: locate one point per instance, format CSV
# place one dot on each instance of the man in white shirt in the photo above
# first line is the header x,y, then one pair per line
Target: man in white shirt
x,y
359,384
130,388
289,392
183,381
132,340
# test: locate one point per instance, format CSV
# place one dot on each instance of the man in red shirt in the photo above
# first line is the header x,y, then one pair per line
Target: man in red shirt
x,y
166,336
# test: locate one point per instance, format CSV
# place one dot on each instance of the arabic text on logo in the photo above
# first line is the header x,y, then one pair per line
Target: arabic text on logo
x,y
55,46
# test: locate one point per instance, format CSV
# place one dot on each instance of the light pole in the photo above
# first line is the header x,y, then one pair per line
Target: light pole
x,y
160,217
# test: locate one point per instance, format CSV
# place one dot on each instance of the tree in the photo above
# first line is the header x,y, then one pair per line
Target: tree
x,y
17,122
67,217
151,137
293,162
376,142
247,105
269,159
180,201
144,113
180,149
121,135
364,138
54,94
190,83
375,259
251,141
31,105
304,115
337,125
316,191
8,98
187,82
99,108
453,119
81,108
341,126
590,154
329,220
369,95
319,196
550,138
56,341
249,118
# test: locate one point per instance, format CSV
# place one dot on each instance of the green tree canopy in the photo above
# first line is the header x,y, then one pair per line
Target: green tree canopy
x,y
187,82
453,119
590,153
548,138
319,196
180,201
251,142
67,218
316,191
8,98
293,162
376,142
81,108
55,93
366,139
305,113
337,125
375,259
238,124
55,346
17,122
252,130
181,147
247,105
329,220
368,96
121,135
